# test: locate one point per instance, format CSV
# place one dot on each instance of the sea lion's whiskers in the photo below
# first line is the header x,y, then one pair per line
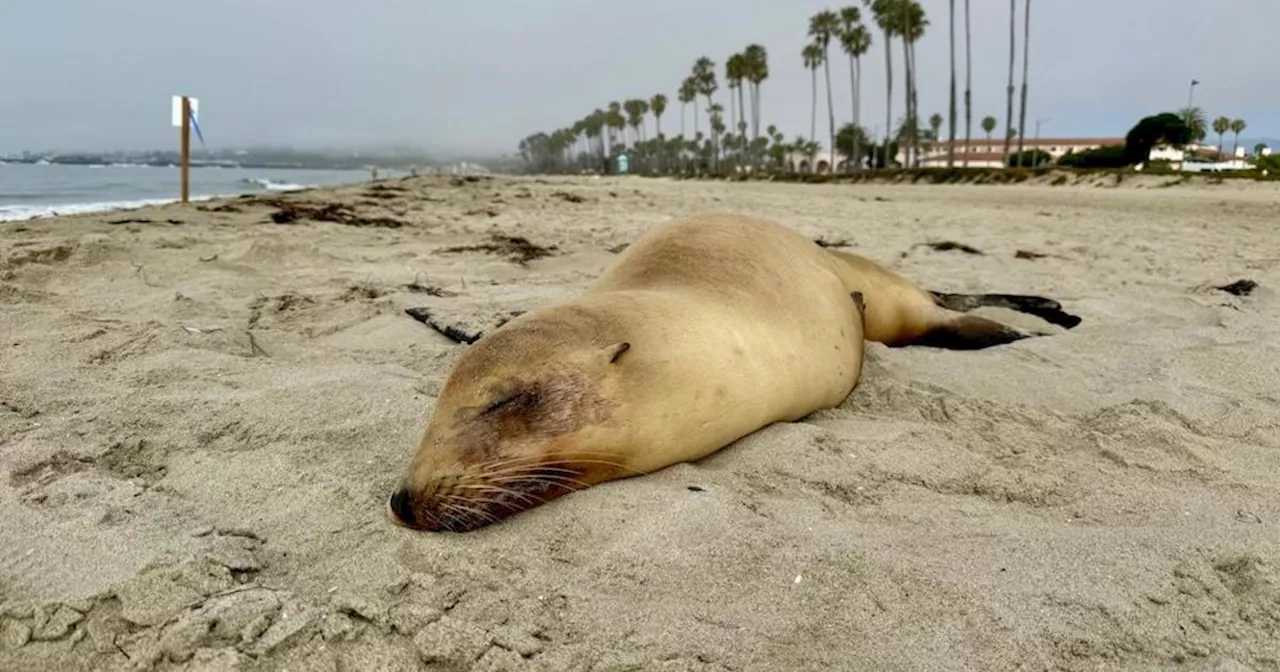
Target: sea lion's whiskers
x,y
468,509
486,487
541,478
480,499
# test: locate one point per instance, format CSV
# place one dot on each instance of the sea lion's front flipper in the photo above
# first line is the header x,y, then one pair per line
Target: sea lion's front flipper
x,y
1044,308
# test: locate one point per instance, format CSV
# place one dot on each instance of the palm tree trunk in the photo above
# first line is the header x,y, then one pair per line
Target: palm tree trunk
x,y
831,115
1008,113
1235,146
743,120
853,99
813,116
968,86
909,125
888,96
915,104
1026,52
857,111
1220,146
951,130
732,117
682,106
755,110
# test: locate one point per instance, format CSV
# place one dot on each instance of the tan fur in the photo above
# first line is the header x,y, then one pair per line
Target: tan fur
x,y
733,323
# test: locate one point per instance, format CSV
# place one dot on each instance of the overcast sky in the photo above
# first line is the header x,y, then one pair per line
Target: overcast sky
x,y
478,76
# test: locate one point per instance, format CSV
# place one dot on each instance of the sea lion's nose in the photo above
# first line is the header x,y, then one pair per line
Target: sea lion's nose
x,y
401,505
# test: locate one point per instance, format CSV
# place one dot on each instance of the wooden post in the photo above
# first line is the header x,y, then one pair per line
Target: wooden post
x,y
186,147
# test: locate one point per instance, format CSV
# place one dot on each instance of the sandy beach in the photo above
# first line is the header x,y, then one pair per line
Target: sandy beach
x,y
204,407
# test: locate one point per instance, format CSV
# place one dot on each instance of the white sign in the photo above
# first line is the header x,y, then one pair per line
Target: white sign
x,y
177,110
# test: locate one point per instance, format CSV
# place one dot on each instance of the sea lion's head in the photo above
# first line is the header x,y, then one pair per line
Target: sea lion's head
x,y
522,418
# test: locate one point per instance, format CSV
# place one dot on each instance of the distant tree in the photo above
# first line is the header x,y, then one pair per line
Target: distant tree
x,y
856,41
658,105
852,142
823,27
812,55
1220,126
1114,156
1026,57
1194,118
989,124
935,126
1008,113
951,126
886,18
636,109
687,94
1030,158
1259,148
1164,128
757,72
1237,127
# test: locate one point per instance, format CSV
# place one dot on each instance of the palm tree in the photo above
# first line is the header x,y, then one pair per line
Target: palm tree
x,y
1008,114
822,27
1196,121
732,81
687,93
1237,127
735,75
636,109
757,72
1220,126
1259,148
658,105
1026,53
951,127
617,125
912,29
882,12
935,125
856,40
968,86
812,55
704,77
989,124
716,112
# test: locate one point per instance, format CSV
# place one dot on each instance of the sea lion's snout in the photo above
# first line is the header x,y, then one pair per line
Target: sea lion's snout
x,y
401,505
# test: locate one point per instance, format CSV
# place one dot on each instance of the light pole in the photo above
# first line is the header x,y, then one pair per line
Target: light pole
x,y
1041,121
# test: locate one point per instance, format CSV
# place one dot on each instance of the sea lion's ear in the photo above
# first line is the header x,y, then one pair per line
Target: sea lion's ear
x,y
616,350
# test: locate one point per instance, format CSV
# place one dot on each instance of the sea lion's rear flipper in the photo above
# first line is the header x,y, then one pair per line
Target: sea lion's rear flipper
x,y
969,332
1044,308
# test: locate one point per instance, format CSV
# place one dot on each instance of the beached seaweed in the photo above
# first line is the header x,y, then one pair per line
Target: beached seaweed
x,y
1243,287
517,249
566,196
289,212
949,246
458,333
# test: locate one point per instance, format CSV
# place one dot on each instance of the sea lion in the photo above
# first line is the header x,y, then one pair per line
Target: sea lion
x,y
702,331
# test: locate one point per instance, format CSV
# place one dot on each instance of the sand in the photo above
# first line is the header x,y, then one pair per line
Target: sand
x,y
200,421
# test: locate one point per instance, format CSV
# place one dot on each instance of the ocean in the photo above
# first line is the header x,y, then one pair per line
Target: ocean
x,y
33,190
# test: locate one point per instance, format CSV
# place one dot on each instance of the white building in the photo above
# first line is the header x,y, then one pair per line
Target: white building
x,y
984,153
